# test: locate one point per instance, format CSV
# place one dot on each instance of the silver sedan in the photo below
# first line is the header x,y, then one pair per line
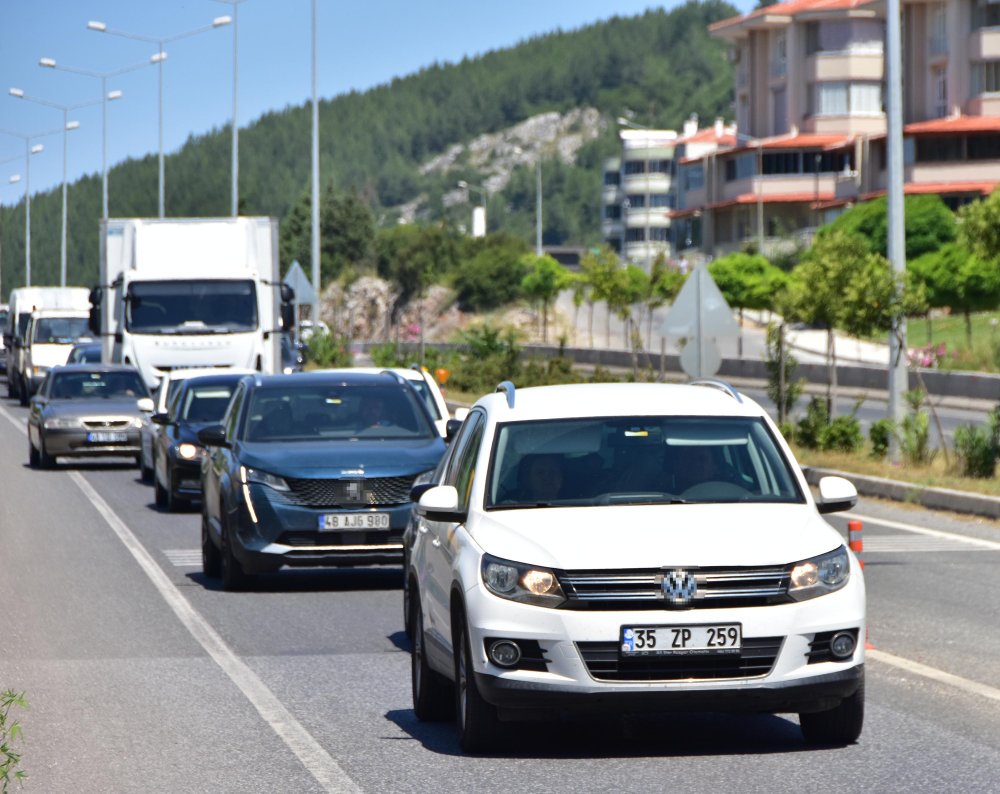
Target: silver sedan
x,y
87,410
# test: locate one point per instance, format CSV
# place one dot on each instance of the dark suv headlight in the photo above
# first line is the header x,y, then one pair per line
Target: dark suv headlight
x,y
820,575
526,584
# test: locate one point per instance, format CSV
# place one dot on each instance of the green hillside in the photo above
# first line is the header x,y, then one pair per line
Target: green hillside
x,y
660,66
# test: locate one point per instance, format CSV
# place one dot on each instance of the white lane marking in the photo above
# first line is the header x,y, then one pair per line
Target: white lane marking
x,y
972,687
934,533
908,544
320,764
184,558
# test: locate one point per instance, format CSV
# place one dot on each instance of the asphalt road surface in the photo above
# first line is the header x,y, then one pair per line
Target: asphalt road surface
x,y
142,675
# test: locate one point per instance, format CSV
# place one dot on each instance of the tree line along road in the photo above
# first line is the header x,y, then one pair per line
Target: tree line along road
x,y
142,675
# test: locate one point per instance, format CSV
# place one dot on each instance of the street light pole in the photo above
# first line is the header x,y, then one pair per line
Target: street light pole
x,y
315,180
158,58
66,127
538,207
106,97
235,168
28,151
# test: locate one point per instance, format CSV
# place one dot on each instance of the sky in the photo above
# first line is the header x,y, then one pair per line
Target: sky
x,y
360,45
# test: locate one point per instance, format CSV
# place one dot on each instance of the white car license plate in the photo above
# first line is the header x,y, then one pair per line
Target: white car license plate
x,y
107,438
664,640
333,521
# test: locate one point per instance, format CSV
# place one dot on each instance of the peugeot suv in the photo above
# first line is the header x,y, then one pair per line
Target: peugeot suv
x,y
630,547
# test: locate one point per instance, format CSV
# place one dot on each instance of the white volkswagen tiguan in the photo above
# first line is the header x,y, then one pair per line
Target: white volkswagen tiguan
x,y
630,547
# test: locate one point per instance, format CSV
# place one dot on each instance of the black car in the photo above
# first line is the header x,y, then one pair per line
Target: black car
x,y
200,401
312,469
85,353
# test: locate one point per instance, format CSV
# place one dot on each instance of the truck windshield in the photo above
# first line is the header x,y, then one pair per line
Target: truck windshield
x,y
191,307
60,330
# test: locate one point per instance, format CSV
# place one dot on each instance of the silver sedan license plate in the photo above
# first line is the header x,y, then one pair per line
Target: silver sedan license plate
x,y
334,521
680,640
107,438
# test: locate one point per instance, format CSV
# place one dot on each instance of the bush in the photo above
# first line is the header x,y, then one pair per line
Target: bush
x,y
817,431
978,448
915,433
843,434
489,355
326,350
880,435
809,431
10,731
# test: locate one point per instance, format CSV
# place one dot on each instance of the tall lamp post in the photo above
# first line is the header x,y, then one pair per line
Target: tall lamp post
x,y
106,96
235,168
314,222
67,126
158,58
28,151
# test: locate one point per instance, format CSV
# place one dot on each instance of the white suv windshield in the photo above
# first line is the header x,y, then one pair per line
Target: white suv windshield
x,y
637,460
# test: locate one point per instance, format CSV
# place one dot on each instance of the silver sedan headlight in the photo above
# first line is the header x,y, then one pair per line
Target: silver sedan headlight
x,y
62,423
824,574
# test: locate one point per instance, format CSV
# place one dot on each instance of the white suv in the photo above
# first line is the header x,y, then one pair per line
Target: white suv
x,y
630,547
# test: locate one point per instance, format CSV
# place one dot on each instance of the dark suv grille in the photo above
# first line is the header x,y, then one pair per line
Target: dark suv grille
x,y
643,589
755,659
350,492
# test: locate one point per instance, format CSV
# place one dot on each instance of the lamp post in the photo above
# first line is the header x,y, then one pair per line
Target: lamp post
x,y
484,194
158,58
28,151
66,127
314,239
235,168
538,206
106,96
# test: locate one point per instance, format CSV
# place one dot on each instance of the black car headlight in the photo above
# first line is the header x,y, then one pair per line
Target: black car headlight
x,y
248,475
526,584
188,451
820,575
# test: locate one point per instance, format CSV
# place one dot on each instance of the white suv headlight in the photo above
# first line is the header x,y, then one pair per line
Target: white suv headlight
x,y
526,584
820,575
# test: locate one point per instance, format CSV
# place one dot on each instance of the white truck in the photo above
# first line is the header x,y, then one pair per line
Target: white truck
x,y
190,292
23,302
50,336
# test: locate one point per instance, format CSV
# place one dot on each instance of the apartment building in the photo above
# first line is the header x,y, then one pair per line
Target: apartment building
x,y
809,102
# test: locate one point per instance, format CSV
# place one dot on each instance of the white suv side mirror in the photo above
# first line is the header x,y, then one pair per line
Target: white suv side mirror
x,y
441,504
836,494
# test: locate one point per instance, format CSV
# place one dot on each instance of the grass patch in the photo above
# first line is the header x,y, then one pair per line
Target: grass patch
x,y
933,475
982,355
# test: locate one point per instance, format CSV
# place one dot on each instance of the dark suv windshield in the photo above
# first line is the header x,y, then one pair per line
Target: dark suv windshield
x,y
314,412
636,460
60,330
179,307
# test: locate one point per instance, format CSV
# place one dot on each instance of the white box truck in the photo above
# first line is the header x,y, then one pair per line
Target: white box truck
x,y
190,292
22,303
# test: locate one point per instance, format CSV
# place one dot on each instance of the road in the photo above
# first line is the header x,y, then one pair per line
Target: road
x,y
143,676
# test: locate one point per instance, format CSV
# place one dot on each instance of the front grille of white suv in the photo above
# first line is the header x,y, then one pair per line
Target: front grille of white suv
x,y
716,588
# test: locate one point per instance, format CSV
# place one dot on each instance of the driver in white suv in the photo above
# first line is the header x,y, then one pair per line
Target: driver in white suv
x,y
627,547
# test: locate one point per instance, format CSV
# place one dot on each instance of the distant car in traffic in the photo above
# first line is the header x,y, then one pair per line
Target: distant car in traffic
x,y
312,469
85,353
199,401
165,391
87,410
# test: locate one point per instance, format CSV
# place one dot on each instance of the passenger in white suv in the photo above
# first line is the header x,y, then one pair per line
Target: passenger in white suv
x,y
630,547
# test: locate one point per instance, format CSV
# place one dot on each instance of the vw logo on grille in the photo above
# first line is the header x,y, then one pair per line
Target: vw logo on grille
x,y
679,587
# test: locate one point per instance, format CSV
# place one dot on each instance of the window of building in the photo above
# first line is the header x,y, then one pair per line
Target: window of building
x,y
612,178
635,235
661,166
983,147
938,148
694,176
805,162
939,87
612,212
659,234
779,56
845,35
986,77
636,200
985,14
836,98
635,167
937,41
661,200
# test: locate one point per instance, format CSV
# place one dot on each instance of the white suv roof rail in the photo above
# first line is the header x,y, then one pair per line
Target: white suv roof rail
x,y
507,387
721,385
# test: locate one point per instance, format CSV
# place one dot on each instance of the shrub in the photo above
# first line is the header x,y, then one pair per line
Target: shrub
x,y
915,432
817,431
793,388
10,731
489,355
843,434
978,448
326,350
880,435
809,431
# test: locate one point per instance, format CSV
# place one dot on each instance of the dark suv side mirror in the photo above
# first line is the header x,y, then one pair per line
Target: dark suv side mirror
x,y
214,436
